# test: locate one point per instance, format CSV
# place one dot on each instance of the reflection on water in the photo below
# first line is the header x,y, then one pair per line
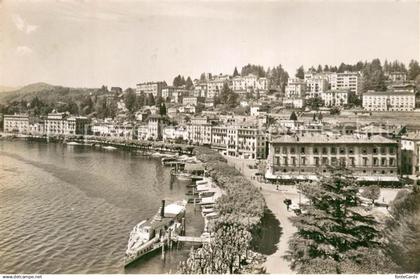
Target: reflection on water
x,y
69,209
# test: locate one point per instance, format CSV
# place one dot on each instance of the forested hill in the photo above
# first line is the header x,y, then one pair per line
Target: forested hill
x,y
46,92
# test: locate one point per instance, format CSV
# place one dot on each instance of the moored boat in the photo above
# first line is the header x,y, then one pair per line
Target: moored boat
x,y
150,235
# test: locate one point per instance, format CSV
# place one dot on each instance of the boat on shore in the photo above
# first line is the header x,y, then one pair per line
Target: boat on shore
x,y
150,235
73,143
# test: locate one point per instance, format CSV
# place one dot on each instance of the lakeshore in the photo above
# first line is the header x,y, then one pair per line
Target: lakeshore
x,y
125,146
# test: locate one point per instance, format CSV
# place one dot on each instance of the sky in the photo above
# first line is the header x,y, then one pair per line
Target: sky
x,y
84,43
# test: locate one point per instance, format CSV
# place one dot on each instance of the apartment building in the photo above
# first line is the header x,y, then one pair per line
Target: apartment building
x,y
200,90
396,77
215,86
193,101
245,142
335,97
299,157
63,124
199,133
410,154
154,88
295,88
315,86
389,101
346,80
168,91
18,123
294,103
249,83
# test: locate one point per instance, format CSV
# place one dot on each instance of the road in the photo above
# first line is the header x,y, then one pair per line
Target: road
x,y
275,263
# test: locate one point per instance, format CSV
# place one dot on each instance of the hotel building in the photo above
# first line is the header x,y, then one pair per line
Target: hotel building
x,y
154,88
299,157
389,101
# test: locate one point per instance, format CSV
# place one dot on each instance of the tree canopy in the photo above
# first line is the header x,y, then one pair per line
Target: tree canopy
x,y
332,228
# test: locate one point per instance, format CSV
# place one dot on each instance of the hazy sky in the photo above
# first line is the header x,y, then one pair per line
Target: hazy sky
x,y
121,43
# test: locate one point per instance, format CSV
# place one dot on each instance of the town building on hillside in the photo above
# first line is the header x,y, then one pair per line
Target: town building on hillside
x,y
315,86
154,88
294,103
410,154
249,83
295,88
190,101
154,127
215,86
200,90
168,91
346,80
335,97
389,101
18,123
397,77
298,157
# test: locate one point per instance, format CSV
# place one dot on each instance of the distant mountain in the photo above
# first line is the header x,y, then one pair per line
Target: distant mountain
x,y
45,92
7,88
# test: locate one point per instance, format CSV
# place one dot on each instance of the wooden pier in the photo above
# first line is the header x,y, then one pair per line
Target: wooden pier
x,y
192,239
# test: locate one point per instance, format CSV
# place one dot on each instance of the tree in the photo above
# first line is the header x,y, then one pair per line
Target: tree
x,y
315,103
253,69
335,110
162,109
150,100
413,70
300,73
293,116
372,192
130,100
189,84
331,226
227,96
179,81
226,253
373,76
402,231
235,72
277,78
319,69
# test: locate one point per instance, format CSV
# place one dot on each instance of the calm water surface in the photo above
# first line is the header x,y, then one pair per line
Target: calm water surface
x,y
69,209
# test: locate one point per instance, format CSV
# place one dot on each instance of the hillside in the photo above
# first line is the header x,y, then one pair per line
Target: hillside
x,y
46,92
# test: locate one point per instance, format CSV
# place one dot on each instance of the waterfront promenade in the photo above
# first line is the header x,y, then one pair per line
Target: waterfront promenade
x,y
275,263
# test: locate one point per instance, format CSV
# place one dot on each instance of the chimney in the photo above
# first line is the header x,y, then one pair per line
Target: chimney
x,y
162,209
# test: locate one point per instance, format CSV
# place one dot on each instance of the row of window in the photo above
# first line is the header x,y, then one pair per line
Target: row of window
x,y
333,150
294,161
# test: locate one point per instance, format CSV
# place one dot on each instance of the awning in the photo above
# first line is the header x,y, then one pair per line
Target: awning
x,y
381,178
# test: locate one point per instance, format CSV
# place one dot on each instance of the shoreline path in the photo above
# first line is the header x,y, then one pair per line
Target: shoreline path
x,y
275,263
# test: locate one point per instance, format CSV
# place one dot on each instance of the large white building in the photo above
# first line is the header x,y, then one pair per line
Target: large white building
x,y
295,88
335,97
346,80
300,157
154,88
389,101
215,86
315,86
249,83
18,123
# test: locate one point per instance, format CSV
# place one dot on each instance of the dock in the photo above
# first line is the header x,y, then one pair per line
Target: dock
x,y
191,239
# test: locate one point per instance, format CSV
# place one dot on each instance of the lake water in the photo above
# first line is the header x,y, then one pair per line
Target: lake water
x,y
70,209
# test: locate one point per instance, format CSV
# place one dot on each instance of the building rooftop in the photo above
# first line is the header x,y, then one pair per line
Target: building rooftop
x,y
388,93
323,138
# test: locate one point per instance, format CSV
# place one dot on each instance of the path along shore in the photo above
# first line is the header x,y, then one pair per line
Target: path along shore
x,y
275,263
